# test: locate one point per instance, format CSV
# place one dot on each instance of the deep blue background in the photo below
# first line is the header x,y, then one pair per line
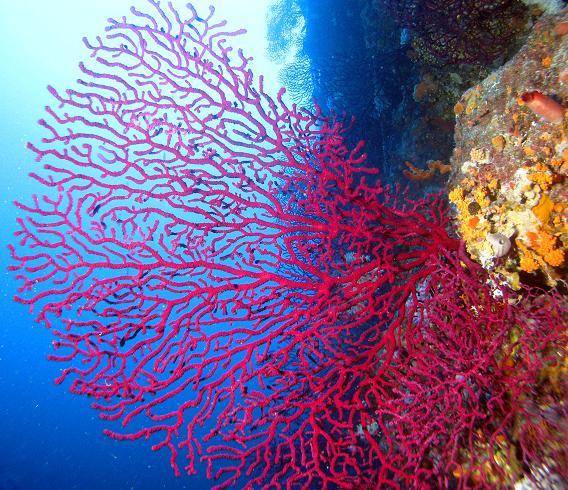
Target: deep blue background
x,y
49,438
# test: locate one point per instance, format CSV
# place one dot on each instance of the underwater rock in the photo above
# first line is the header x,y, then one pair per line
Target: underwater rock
x,y
511,160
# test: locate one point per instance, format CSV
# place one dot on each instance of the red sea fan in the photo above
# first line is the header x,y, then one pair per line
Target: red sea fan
x,y
224,276
460,399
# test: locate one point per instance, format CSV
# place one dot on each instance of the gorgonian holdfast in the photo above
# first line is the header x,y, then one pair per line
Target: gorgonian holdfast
x,y
222,277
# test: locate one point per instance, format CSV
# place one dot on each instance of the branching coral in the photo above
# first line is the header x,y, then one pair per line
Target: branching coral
x,y
465,31
434,166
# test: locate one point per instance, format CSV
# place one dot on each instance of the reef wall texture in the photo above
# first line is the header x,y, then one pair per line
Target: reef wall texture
x,y
510,161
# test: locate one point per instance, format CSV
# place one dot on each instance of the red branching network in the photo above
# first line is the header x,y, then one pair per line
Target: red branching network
x,y
225,277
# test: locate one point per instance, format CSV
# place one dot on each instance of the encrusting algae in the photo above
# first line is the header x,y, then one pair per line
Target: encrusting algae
x,y
509,191
510,163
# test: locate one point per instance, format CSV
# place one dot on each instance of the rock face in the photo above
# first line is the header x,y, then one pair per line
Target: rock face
x,y
510,162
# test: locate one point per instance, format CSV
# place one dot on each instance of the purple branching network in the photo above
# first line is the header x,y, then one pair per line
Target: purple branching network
x,y
225,277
